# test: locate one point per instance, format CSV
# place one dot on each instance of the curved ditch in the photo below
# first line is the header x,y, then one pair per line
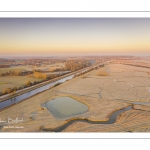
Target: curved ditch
x,y
112,119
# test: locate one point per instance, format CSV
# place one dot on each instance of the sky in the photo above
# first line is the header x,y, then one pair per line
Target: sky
x,y
74,36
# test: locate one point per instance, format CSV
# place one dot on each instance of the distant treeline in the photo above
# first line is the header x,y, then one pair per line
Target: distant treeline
x,y
44,76
15,73
4,66
74,65
37,61
6,60
54,69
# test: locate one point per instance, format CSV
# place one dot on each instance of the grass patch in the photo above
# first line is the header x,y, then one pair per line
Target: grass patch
x,y
31,67
15,81
4,70
102,73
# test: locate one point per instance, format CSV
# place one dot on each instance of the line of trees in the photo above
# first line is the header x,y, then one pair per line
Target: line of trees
x,y
76,65
13,90
4,66
15,73
9,90
43,76
40,75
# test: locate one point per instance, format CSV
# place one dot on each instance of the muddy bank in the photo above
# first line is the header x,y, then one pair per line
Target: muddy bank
x,y
142,107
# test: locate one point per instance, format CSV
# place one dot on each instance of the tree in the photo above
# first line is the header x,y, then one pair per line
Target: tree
x,y
40,75
20,88
15,88
12,94
7,90
17,72
35,82
74,65
102,73
28,83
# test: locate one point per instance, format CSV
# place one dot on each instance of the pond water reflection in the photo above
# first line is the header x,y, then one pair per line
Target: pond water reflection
x,y
63,107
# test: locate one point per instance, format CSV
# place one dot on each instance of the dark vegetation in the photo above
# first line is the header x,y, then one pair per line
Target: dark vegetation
x,y
74,65
15,73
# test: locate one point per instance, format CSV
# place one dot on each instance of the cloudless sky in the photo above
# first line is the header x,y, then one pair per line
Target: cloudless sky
x,y
54,36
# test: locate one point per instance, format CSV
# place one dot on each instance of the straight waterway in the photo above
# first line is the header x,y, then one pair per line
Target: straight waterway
x,y
18,98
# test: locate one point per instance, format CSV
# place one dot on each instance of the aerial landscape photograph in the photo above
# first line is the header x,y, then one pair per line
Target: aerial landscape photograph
x,y
75,75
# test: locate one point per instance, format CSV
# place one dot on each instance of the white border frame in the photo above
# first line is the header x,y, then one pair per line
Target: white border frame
x,y
98,135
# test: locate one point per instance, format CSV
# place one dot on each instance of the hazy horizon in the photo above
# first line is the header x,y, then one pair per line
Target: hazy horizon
x,y
74,36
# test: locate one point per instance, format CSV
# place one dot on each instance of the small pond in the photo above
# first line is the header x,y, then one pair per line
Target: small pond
x,y
64,107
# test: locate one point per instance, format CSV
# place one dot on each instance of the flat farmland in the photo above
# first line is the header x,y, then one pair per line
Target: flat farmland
x,y
123,85
18,81
31,67
16,68
49,67
141,62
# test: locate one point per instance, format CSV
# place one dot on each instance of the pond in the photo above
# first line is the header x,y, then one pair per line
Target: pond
x,y
64,107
